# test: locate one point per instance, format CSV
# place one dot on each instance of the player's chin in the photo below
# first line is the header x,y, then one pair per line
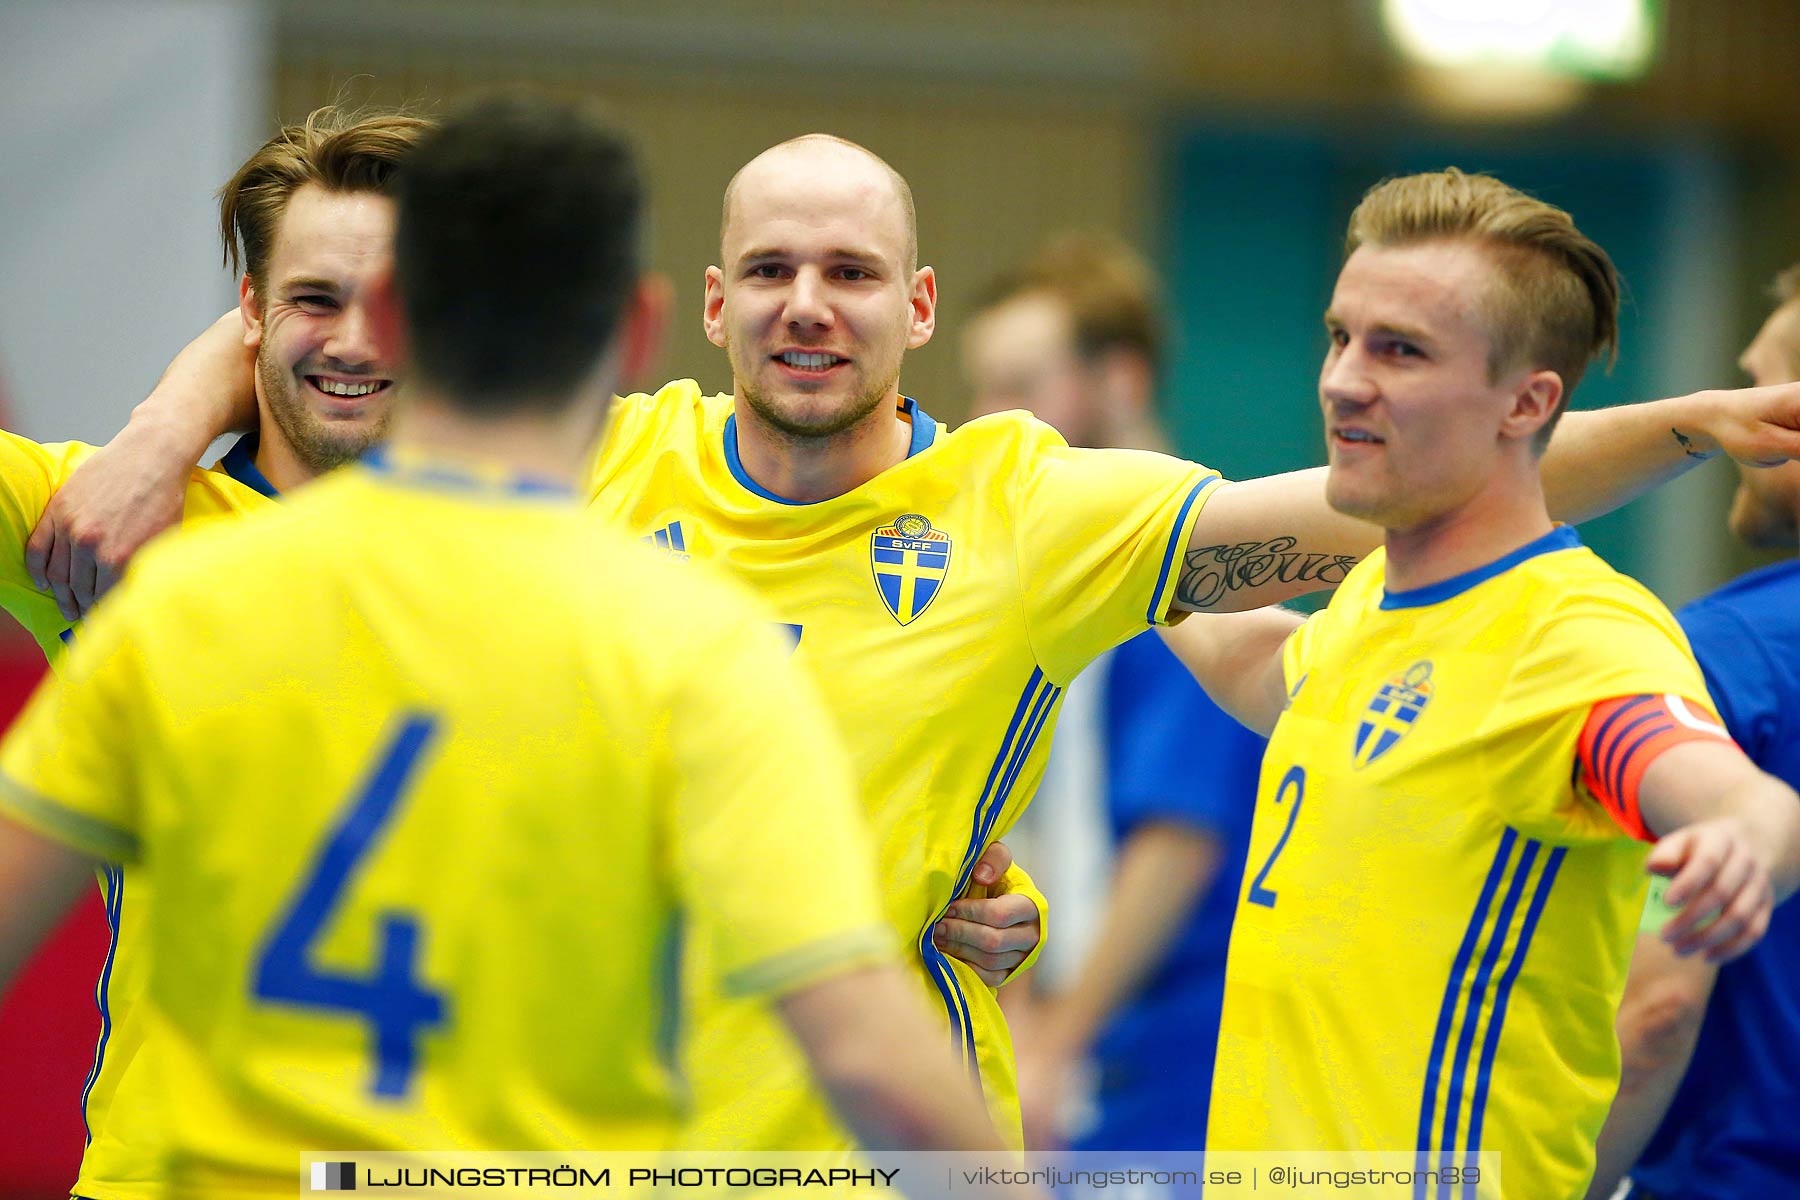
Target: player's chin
x,y
344,440
1353,497
813,414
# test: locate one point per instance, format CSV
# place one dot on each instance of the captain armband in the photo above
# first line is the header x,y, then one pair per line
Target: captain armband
x,y
1623,736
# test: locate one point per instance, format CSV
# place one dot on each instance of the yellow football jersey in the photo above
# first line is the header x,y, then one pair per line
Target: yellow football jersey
x,y
31,472
416,863
1436,919
942,607
119,1107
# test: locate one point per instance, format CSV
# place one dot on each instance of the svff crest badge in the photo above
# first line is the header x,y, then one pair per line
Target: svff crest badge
x,y
1391,713
910,560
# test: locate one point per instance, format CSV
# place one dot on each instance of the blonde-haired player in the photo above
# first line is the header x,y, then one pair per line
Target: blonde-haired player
x,y
1472,744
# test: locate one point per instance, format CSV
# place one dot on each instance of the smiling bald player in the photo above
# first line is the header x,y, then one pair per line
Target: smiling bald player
x,y
944,586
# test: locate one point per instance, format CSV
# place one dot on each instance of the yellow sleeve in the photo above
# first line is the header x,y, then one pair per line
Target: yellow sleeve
x,y
1610,640
632,419
1017,881
67,766
771,853
29,475
1101,537
1297,651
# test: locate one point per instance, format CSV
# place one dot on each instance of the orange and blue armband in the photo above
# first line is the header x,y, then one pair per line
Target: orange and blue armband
x,y
1623,736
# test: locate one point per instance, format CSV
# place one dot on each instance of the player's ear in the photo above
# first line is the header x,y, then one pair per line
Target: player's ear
x,y
924,308
1535,401
644,328
250,308
712,313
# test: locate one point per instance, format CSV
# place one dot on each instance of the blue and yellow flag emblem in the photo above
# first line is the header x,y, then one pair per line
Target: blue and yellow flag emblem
x,y
910,560
1396,705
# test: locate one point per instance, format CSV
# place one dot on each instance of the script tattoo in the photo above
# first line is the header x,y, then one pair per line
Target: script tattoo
x,y
1687,445
1210,572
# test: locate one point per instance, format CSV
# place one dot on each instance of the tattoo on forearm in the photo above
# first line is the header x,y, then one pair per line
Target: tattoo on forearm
x,y
1687,445
1210,572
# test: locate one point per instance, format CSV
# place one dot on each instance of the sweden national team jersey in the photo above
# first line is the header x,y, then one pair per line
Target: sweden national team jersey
x,y
119,1107
31,473
1436,921
942,607
416,864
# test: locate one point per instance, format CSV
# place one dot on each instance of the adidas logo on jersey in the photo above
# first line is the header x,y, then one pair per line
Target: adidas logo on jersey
x,y
671,539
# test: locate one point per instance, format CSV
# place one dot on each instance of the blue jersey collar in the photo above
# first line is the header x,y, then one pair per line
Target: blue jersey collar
x,y
1563,537
413,469
924,430
240,463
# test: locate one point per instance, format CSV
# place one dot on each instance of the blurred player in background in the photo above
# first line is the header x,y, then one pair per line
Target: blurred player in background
x,y
944,587
1712,1054
1136,974
309,217
409,894
1444,872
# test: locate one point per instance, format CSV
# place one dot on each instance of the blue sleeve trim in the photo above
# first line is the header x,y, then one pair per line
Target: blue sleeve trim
x,y
1153,615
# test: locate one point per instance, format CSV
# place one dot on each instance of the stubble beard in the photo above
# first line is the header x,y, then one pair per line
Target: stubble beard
x,y
316,443
853,412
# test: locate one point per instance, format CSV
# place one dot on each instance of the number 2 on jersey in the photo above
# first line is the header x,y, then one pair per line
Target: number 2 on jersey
x,y
1295,778
390,996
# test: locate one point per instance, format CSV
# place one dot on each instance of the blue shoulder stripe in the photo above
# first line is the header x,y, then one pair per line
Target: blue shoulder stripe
x,y
114,887
1497,1022
1428,1101
1030,717
1489,992
1477,1000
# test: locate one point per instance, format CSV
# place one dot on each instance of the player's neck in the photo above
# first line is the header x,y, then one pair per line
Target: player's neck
x,y
545,445
277,461
808,470
1488,526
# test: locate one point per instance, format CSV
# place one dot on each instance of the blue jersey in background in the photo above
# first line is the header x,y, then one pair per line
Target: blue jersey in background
x,y
1732,1131
1171,754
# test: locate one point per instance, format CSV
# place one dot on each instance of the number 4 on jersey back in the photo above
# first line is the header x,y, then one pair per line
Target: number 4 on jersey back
x,y
391,996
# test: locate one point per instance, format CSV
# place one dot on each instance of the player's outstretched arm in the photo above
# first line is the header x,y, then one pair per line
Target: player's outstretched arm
x,y
132,489
1237,659
1601,459
1729,845
886,1066
1659,1025
40,881
1262,541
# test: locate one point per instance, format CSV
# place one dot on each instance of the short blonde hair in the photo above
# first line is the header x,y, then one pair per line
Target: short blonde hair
x,y
1555,300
